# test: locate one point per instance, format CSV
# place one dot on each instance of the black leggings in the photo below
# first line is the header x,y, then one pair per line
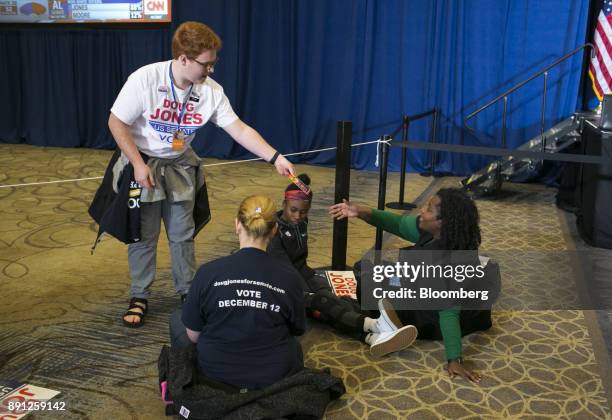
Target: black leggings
x,y
346,316
342,314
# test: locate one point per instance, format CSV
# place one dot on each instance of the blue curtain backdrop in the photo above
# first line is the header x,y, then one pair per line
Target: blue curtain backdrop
x,y
292,68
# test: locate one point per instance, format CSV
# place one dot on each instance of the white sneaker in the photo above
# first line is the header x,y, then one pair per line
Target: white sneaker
x,y
384,343
388,320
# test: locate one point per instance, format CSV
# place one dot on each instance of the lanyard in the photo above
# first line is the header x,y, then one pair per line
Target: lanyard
x,y
182,111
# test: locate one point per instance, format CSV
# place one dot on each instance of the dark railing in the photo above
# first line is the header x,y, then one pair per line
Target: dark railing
x,y
344,138
382,185
406,120
504,96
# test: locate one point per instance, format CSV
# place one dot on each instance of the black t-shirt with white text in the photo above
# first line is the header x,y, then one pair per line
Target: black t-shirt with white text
x,y
247,306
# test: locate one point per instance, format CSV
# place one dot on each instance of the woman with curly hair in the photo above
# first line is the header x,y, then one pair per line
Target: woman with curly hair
x,y
449,222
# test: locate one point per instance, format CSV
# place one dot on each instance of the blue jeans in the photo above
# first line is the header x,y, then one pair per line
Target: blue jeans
x,y
142,256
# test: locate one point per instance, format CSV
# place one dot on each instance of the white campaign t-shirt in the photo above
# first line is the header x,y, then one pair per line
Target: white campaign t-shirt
x,y
147,104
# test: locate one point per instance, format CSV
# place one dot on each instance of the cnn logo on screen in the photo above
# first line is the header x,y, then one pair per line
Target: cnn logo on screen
x,y
155,7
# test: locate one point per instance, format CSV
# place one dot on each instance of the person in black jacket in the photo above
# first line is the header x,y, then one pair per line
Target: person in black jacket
x,y
291,244
291,240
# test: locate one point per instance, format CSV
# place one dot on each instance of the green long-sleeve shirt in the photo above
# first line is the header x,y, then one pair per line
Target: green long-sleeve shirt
x,y
406,227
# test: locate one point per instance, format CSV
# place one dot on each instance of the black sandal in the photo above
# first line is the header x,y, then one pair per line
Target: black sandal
x,y
136,303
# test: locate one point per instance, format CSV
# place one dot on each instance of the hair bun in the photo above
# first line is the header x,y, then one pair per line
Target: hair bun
x,y
304,178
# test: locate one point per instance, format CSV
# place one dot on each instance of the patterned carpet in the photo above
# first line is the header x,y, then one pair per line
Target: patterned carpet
x,y
60,324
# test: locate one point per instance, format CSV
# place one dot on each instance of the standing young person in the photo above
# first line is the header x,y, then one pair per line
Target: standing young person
x,y
154,120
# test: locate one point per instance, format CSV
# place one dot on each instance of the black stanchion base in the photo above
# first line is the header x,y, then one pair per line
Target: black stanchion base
x,y
435,174
401,206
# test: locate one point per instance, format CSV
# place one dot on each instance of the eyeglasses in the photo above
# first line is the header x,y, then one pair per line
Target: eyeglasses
x,y
208,65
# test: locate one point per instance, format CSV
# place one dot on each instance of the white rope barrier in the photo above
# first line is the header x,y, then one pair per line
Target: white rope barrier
x,y
50,182
206,166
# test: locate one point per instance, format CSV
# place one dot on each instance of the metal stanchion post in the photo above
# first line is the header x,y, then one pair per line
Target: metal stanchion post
x,y
405,126
382,186
498,171
400,205
434,154
343,182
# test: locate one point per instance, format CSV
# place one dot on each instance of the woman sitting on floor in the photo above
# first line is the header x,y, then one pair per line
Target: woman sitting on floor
x,y
291,240
450,221
244,310
291,244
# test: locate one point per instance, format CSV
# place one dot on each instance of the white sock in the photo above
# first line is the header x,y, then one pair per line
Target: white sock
x,y
369,325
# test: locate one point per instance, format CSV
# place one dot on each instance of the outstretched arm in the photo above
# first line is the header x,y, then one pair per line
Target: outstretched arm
x,y
251,140
349,210
406,227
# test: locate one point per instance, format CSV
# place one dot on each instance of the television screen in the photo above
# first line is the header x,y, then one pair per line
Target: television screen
x,y
84,11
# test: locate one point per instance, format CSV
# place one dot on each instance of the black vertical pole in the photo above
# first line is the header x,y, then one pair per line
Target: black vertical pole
x,y
400,205
498,171
543,114
434,155
404,158
382,186
343,183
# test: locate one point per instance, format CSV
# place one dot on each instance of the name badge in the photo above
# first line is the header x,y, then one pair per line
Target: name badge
x,y
178,140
